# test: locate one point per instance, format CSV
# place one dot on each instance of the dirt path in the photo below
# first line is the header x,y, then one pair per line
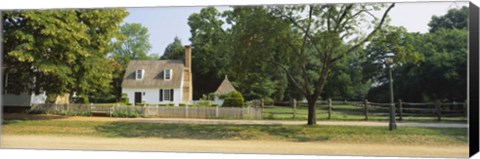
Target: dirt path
x,y
240,122
227,146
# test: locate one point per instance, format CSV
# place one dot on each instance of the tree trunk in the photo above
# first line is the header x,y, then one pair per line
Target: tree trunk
x,y
312,116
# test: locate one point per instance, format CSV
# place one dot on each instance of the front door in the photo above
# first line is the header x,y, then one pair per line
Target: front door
x,y
138,97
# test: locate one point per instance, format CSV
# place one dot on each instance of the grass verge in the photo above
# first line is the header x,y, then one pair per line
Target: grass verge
x,y
297,133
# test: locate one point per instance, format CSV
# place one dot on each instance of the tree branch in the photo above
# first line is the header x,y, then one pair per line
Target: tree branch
x,y
369,36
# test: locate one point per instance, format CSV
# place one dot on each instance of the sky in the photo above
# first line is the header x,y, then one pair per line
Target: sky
x,y
165,23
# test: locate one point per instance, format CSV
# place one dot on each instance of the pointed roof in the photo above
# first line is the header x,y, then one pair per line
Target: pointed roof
x,y
225,87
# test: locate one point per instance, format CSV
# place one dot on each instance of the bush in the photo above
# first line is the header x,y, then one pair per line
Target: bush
x,y
85,100
214,105
203,103
182,104
234,99
268,101
124,98
74,113
170,104
125,114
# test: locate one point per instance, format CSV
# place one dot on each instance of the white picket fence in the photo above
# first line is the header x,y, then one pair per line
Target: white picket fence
x,y
153,111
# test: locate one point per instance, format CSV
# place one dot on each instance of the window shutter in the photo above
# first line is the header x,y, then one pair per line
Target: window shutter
x,y
161,95
171,94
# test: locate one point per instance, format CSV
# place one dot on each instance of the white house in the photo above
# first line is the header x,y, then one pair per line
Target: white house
x,y
159,81
23,99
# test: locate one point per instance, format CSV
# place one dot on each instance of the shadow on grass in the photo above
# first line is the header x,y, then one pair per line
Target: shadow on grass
x,y
26,116
209,132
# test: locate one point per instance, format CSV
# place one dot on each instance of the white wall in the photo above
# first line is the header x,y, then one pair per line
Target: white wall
x,y
152,95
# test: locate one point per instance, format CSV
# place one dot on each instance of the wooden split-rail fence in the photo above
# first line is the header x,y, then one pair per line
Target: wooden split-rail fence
x,y
402,109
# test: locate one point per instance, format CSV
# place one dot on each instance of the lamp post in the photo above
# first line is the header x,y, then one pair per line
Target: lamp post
x,y
388,62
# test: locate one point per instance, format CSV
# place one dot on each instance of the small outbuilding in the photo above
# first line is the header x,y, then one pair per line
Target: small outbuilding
x,y
225,88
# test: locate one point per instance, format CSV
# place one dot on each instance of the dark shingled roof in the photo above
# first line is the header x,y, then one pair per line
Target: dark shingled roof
x,y
153,77
225,87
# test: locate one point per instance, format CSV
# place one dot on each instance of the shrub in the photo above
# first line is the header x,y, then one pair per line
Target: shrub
x,y
85,100
203,103
214,105
125,114
170,104
268,101
162,105
182,104
234,99
124,98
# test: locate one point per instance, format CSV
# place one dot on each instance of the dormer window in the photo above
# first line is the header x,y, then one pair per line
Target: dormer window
x,y
167,73
139,74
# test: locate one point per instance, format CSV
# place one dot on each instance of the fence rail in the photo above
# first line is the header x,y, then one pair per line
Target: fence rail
x,y
367,108
151,111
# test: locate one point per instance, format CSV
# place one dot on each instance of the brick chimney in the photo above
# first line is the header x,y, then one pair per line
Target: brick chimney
x,y
187,75
188,57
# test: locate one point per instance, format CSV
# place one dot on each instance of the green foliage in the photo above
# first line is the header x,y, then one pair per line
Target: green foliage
x,y
133,44
234,99
126,114
85,100
174,50
124,98
427,66
73,113
210,53
454,19
60,51
170,104
182,105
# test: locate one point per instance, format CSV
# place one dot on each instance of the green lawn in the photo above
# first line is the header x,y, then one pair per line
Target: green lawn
x,y
343,113
299,133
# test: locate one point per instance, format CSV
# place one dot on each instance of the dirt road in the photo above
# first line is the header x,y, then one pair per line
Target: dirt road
x,y
226,146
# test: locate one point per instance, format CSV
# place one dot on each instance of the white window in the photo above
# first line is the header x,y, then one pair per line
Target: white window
x,y
166,95
167,74
139,74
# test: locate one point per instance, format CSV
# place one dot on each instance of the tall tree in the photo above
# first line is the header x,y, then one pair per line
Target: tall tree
x,y
401,44
254,34
325,31
174,50
59,51
210,50
454,19
134,45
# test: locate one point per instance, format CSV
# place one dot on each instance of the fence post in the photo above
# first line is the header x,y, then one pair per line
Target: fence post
x,y
366,109
400,109
439,109
186,111
465,108
216,111
144,110
330,108
294,106
91,109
